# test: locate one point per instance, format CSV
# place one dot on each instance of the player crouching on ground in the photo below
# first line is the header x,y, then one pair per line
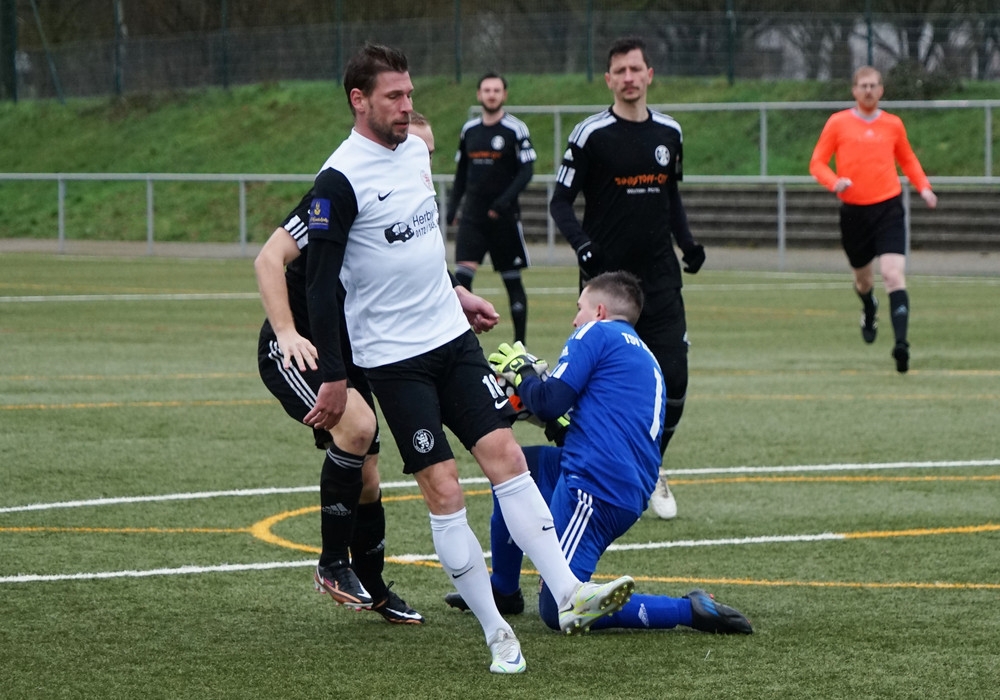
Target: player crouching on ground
x,y
599,482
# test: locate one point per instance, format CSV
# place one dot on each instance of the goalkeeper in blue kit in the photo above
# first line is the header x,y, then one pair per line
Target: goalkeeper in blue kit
x,y
598,483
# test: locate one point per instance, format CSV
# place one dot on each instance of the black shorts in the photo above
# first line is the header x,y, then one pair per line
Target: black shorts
x,y
662,326
451,385
502,238
867,231
296,389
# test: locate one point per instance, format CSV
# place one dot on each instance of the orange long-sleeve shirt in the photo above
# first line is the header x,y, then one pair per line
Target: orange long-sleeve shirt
x,y
866,153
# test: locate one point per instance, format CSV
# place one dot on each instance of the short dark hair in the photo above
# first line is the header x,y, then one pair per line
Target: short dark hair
x,y
367,64
491,74
622,292
626,44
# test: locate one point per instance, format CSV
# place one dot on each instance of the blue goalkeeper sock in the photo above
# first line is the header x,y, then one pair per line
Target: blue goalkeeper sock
x,y
658,612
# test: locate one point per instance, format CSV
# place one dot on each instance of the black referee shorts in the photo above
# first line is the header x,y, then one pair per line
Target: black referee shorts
x,y
869,230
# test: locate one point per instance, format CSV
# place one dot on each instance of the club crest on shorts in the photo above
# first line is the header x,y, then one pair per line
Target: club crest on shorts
x,y
423,441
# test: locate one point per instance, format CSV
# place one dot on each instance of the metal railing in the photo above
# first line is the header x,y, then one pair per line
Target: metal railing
x,y
781,183
762,109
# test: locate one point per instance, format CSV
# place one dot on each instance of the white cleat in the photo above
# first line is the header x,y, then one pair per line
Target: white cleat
x,y
506,650
592,601
662,501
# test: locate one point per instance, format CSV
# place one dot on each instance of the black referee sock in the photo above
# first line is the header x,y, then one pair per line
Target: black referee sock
x,y
368,548
899,305
339,492
868,299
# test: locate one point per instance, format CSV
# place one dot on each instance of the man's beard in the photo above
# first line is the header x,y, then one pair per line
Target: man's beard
x,y
386,132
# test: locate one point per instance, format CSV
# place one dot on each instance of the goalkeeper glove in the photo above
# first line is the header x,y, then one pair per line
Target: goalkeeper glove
x,y
514,363
694,258
555,430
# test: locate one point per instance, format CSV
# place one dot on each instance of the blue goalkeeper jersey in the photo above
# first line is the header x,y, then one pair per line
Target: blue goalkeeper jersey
x,y
612,448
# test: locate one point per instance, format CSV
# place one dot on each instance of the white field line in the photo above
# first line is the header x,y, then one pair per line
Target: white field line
x,y
777,284
239,493
409,558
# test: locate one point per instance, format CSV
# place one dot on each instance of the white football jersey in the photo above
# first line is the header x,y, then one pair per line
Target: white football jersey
x,y
400,302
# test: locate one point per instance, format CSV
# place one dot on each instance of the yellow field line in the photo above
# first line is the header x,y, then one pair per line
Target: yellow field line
x,y
828,479
132,404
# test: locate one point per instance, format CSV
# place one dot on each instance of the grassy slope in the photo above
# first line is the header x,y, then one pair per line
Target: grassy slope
x,y
291,127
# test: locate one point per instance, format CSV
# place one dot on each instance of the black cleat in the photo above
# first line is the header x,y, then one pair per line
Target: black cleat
x,y
341,583
901,353
869,323
709,616
395,610
512,604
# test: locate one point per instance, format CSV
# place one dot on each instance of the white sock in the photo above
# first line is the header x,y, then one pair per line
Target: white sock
x,y
462,559
529,521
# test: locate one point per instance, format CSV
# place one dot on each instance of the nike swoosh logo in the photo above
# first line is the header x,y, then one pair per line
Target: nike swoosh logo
x,y
500,404
550,527
381,197
461,573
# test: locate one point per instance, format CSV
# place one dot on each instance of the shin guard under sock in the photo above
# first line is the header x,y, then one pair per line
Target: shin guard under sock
x,y
368,548
899,312
339,492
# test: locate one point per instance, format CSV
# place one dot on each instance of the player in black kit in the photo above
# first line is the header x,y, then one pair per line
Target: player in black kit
x,y
495,163
627,161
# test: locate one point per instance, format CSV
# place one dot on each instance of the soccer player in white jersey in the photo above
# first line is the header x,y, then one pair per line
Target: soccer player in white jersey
x,y
352,519
598,483
373,224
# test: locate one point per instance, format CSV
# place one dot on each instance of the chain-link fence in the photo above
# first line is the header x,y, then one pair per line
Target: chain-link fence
x,y
809,45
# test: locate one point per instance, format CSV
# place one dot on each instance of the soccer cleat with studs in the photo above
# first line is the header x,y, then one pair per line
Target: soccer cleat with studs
x,y
510,604
592,601
506,651
395,610
901,354
341,583
709,616
662,501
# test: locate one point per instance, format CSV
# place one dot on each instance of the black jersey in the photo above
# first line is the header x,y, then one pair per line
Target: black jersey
x,y
495,163
628,173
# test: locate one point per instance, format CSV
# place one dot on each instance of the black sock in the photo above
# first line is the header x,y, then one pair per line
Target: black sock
x,y
868,299
518,303
464,276
339,492
899,305
368,548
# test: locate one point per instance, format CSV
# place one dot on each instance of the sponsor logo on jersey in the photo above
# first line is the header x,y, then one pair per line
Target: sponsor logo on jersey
x,y
319,214
641,179
400,232
423,442
381,197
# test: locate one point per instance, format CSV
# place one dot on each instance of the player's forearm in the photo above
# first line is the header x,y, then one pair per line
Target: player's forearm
x,y
549,399
322,273
561,210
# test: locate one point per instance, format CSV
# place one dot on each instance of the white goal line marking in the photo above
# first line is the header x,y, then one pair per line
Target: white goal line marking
x,y
476,480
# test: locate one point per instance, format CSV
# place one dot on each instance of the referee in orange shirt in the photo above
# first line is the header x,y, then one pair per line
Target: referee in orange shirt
x,y
868,143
